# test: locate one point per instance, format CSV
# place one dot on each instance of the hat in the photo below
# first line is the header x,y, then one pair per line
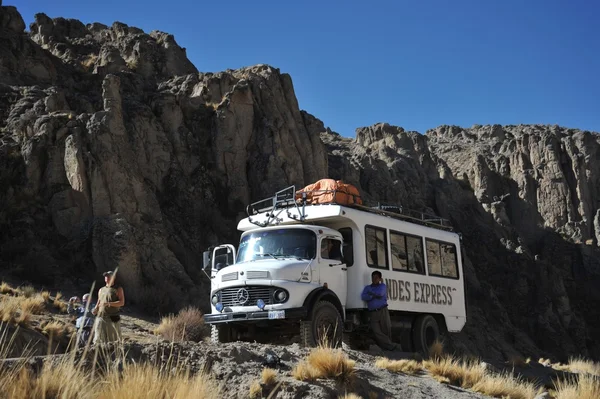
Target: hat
x,y
108,273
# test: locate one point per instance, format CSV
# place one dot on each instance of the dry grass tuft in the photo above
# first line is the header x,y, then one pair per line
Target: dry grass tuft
x,y
350,396
473,375
304,372
399,366
55,330
62,380
140,381
18,309
45,296
6,289
188,325
65,378
34,305
587,386
268,376
27,291
449,370
436,350
255,390
506,386
324,362
59,303
580,365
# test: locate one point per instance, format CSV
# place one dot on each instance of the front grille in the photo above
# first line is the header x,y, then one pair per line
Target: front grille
x,y
246,296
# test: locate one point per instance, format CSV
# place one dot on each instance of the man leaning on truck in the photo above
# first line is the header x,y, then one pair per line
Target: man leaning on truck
x,y
375,294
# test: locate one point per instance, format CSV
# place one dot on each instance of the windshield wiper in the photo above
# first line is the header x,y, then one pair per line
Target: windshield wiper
x,y
271,255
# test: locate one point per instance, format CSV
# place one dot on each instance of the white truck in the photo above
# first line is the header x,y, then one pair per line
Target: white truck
x,y
301,268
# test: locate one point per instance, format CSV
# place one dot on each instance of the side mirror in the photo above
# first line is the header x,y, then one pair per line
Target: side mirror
x,y
206,259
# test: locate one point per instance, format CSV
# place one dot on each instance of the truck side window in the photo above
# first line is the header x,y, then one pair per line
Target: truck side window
x,y
434,263
330,249
414,249
449,266
348,248
376,244
399,258
441,259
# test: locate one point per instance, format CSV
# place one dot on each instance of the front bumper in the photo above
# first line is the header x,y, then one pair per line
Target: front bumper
x,y
227,317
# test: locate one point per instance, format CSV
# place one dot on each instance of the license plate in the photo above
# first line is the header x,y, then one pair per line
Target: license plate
x,y
276,314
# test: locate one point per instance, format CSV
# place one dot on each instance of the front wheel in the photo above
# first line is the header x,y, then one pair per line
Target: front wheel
x,y
324,327
221,333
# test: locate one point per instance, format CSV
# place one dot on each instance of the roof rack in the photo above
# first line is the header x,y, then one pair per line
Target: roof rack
x,y
275,205
410,215
286,199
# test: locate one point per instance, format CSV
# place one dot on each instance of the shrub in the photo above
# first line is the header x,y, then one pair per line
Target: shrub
x,y
188,325
504,385
255,390
45,296
27,291
587,386
473,375
580,365
269,376
59,303
55,330
35,304
18,309
324,362
6,289
65,379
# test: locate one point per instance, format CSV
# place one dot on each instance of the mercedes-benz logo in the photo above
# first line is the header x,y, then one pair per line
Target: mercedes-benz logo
x,y
242,296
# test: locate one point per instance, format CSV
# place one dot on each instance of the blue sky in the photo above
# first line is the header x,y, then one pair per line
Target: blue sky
x,y
416,64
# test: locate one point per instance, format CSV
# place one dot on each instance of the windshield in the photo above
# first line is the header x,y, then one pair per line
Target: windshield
x,y
281,243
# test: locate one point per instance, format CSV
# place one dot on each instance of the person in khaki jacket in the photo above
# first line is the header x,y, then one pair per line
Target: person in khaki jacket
x,y
110,300
375,294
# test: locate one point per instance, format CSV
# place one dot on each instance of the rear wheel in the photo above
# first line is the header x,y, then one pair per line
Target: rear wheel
x,y
425,332
221,333
324,327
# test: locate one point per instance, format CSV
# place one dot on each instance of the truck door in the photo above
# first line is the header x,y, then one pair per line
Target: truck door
x,y
332,269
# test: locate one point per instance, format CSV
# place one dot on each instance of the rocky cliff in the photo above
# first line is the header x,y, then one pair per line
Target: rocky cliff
x,y
116,152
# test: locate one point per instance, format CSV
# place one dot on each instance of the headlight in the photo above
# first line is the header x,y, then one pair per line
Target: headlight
x,y
280,296
214,299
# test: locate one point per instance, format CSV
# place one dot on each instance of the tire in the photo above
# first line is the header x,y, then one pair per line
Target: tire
x,y
221,333
324,327
425,332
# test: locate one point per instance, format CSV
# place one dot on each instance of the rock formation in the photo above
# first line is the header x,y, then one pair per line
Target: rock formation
x,y
525,199
116,152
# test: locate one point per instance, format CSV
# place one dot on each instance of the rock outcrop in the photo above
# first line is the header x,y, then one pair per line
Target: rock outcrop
x,y
116,152
133,159
525,199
